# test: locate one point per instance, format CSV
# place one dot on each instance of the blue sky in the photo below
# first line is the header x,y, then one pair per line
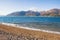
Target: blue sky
x,y
9,6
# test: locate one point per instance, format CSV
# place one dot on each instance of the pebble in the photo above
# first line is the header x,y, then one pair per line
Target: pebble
x,y
9,36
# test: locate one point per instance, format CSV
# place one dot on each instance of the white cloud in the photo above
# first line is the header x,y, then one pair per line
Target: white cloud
x,y
34,9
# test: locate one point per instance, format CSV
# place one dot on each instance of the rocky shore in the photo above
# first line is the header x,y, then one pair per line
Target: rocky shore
x,y
12,33
10,36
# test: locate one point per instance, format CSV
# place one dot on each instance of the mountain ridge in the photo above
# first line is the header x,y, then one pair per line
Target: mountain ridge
x,y
51,12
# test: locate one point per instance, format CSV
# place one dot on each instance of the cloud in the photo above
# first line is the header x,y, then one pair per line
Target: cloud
x,y
34,9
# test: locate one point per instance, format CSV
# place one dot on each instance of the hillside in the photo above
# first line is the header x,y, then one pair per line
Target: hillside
x,y
51,12
24,13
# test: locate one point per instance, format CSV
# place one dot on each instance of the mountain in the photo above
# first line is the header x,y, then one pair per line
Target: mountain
x,y
25,13
22,13
52,12
32,13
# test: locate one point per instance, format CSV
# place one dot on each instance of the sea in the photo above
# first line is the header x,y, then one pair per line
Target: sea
x,y
38,22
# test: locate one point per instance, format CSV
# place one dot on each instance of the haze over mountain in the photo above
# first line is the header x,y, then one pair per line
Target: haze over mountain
x,y
51,12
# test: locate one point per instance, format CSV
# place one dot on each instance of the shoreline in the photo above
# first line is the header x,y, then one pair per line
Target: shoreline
x,y
15,25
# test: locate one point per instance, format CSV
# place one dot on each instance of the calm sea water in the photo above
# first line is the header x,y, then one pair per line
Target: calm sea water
x,y
47,23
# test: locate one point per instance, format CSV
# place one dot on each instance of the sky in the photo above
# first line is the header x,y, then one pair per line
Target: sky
x,y
10,6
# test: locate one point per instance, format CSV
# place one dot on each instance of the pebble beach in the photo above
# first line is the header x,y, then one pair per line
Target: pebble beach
x,y
8,32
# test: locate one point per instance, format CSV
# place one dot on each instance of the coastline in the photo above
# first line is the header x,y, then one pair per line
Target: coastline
x,y
9,32
15,25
